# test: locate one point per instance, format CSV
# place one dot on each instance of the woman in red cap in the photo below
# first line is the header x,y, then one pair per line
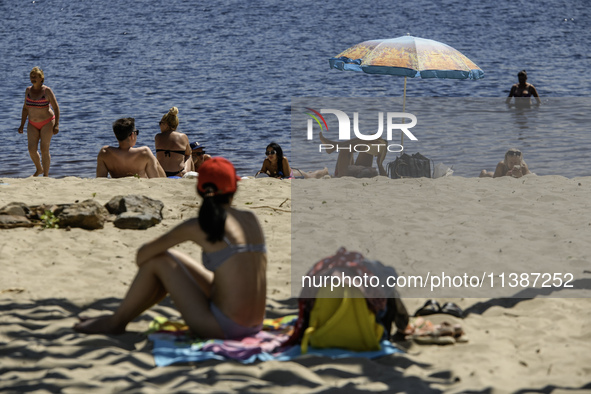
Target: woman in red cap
x,y
222,298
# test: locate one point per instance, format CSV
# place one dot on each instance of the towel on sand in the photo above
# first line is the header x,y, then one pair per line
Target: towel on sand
x,y
173,345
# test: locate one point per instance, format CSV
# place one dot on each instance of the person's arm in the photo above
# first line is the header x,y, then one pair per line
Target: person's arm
x,y
188,160
263,169
525,169
56,110
500,170
286,169
24,114
188,150
380,162
153,167
179,234
534,93
511,94
101,167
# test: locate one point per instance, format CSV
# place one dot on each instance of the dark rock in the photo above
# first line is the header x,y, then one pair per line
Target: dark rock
x,y
14,221
134,203
16,209
135,221
135,212
89,215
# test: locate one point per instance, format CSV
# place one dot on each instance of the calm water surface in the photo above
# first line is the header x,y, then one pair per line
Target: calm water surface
x,y
233,67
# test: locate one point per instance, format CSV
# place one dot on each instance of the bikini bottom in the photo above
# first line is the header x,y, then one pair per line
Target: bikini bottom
x,y
230,328
39,125
172,173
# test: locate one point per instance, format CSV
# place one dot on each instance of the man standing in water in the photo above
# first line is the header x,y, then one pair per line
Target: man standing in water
x,y
125,160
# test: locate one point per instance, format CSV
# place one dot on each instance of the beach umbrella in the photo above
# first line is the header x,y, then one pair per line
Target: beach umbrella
x,y
408,57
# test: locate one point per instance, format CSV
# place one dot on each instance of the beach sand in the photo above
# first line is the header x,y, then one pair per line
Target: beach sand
x,y
51,276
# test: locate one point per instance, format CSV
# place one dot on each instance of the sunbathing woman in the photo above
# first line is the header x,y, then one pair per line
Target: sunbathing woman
x,y
173,150
43,121
225,296
276,165
513,165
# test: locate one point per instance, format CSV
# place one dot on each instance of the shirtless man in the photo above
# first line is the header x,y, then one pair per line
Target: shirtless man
x,y
126,160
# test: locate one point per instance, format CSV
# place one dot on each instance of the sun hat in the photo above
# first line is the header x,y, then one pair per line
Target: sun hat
x,y
195,145
221,173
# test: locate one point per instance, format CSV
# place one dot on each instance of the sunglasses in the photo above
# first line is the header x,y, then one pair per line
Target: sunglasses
x,y
270,152
136,132
198,153
513,153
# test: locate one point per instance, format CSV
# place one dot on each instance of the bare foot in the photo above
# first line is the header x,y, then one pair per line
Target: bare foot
x,y
98,325
328,142
38,172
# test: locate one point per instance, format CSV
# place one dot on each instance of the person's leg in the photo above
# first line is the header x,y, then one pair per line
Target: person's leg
x,y
344,160
46,134
326,141
33,136
200,274
189,166
314,174
171,273
364,159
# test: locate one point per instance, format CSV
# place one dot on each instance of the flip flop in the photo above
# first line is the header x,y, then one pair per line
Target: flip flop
x,y
452,309
430,308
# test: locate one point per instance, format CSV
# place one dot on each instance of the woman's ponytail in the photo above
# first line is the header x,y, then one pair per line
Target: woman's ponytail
x,y
212,214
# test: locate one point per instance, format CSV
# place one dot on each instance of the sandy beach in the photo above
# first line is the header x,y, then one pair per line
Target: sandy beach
x,y
540,224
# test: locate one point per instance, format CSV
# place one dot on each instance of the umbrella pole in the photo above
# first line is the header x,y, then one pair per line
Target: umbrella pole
x,y
403,110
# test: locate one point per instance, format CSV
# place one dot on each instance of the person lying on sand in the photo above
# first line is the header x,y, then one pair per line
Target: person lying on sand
x,y
362,167
125,160
513,165
223,297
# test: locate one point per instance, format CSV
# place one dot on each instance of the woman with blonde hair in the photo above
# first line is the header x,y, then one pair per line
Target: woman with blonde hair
x,y
513,165
44,116
173,149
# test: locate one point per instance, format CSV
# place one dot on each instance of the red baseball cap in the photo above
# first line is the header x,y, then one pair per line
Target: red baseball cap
x,y
220,172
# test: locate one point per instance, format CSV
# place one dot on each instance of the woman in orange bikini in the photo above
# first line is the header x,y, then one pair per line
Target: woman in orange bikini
x,y
43,121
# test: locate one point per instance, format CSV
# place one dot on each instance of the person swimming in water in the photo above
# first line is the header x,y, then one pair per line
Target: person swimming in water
x,y
523,92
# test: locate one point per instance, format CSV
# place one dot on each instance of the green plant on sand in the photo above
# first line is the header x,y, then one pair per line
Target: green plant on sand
x,y
49,220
